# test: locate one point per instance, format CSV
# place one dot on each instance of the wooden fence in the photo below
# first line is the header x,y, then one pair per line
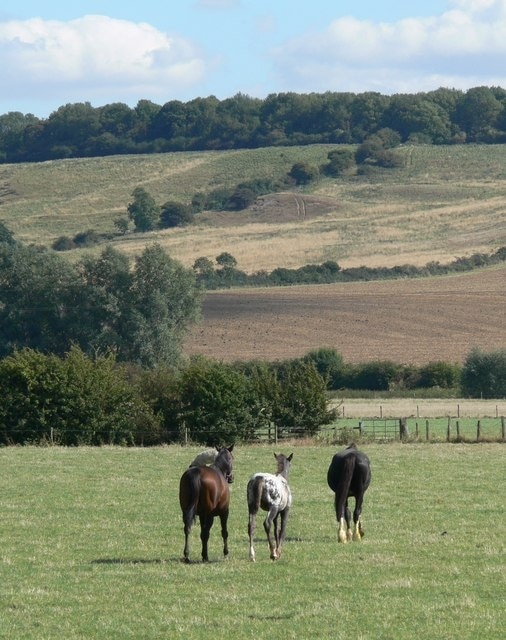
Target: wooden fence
x,y
388,429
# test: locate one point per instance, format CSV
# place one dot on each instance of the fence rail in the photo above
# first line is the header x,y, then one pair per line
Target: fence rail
x,y
388,429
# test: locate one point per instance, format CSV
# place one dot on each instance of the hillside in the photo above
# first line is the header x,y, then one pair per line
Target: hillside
x,y
445,202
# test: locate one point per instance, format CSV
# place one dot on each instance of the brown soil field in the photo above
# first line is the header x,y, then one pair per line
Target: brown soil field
x,y
411,321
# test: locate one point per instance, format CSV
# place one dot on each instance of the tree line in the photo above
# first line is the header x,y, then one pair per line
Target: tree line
x,y
442,116
76,399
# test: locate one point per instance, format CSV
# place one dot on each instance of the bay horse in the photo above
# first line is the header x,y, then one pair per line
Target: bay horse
x,y
204,492
349,475
272,494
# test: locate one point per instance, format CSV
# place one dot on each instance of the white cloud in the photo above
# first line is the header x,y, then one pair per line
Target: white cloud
x,y
463,46
95,53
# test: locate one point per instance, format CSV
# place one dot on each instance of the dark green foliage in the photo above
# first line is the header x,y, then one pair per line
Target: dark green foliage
x,y
86,238
63,243
439,374
75,130
242,198
6,236
304,173
216,403
299,406
175,214
375,376
339,162
70,401
330,271
101,303
330,365
143,210
484,374
377,150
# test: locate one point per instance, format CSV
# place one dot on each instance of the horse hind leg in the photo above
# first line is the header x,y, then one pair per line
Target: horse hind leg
x,y
205,530
358,531
187,522
224,532
282,532
251,534
271,541
341,523
347,515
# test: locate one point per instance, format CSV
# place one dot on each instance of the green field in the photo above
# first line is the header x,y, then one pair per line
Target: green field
x,y
91,546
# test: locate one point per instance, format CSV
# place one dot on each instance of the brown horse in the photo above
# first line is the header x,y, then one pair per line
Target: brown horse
x,y
204,492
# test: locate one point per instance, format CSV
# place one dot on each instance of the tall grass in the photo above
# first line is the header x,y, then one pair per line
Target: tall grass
x,y
91,541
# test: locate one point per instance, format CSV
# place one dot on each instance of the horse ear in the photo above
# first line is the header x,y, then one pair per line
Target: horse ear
x,y
276,456
218,448
231,448
290,457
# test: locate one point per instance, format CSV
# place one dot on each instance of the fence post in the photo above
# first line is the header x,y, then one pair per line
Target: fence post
x,y
448,429
403,429
457,424
276,434
478,430
502,426
426,429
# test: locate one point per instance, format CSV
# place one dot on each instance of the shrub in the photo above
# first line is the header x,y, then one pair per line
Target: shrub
x,y
484,374
63,243
76,399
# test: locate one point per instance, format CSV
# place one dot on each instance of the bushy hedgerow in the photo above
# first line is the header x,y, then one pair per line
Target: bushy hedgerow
x,y
69,401
330,271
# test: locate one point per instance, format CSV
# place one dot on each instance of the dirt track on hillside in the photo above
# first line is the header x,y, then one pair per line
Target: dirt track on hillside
x,y
411,321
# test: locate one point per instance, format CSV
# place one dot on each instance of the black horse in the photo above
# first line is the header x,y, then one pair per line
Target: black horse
x,y
204,492
349,475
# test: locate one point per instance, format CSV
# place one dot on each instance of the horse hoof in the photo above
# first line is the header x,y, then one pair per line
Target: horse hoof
x,y
186,560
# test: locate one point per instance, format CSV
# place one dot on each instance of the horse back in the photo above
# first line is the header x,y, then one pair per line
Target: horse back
x,y
214,495
350,467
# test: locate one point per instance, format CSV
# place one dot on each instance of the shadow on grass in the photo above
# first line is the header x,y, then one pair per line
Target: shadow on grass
x,y
151,561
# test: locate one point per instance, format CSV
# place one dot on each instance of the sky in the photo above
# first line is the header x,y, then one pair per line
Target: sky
x,y
53,53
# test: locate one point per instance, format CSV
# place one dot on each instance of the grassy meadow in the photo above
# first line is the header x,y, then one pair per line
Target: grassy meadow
x,y
444,202
91,546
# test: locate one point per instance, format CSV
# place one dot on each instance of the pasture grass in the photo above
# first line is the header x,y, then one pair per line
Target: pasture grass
x,y
91,546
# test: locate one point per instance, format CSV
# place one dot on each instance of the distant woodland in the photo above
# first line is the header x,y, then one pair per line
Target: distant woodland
x,y
443,116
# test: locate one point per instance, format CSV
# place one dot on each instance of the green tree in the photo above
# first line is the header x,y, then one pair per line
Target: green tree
x,y
143,210
175,214
484,374
304,173
40,295
339,161
329,364
216,403
164,300
299,406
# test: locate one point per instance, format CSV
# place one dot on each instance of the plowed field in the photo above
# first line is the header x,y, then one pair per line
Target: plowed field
x,y
411,321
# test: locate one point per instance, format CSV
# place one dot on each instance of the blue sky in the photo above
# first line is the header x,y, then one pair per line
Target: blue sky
x,y
53,52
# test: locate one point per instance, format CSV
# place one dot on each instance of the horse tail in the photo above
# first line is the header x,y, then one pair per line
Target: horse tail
x,y
255,490
342,486
189,491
